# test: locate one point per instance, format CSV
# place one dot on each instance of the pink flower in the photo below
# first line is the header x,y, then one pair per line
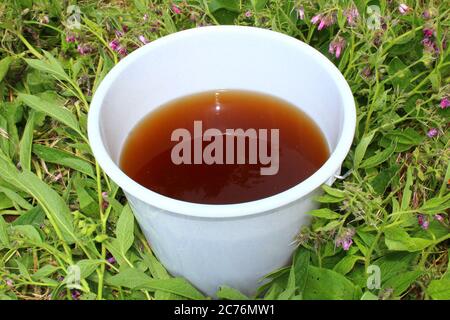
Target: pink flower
x,y
316,19
114,44
428,32
105,202
301,13
9,283
336,46
427,14
322,24
345,239
439,217
325,21
84,49
176,9
122,50
433,132
248,14
351,14
119,33
143,39
346,244
445,103
71,38
403,8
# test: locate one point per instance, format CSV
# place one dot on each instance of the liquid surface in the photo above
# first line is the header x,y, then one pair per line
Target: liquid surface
x,y
146,155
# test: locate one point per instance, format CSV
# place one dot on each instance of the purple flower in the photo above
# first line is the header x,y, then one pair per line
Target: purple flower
x,y
346,244
326,21
122,51
84,49
114,44
125,28
336,46
439,218
176,9
301,13
9,283
76,294
143,39
403,8
433,132
423,221
322,24
111,260
427,42
351,14
428,32
248,14
445,103
71,38
427,14
345,239
119,33
316,19
366,72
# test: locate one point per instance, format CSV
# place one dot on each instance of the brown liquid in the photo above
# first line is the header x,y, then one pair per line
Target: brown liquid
x,y
146,156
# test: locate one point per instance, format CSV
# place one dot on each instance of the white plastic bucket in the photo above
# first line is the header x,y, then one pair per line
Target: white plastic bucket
x,y
236,244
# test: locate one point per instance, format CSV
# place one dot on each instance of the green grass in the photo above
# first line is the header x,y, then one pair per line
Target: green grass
x,y
58,209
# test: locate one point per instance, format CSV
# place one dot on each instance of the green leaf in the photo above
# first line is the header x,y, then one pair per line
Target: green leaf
x,y
44,272
87,266
215,5
26,142
51,202
49,65
51,109
398,239
125,230
436,205
401,282
29,232
35,217
289,291
394,263
378,158
228,293
346,264
325,284
407,193
4,67
16,198
324,213
333,192
384,178
259,4
369,296
135,279
361,149
302,259
63,158
156,268
406,138
399,73
4,238
329,226
439,289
